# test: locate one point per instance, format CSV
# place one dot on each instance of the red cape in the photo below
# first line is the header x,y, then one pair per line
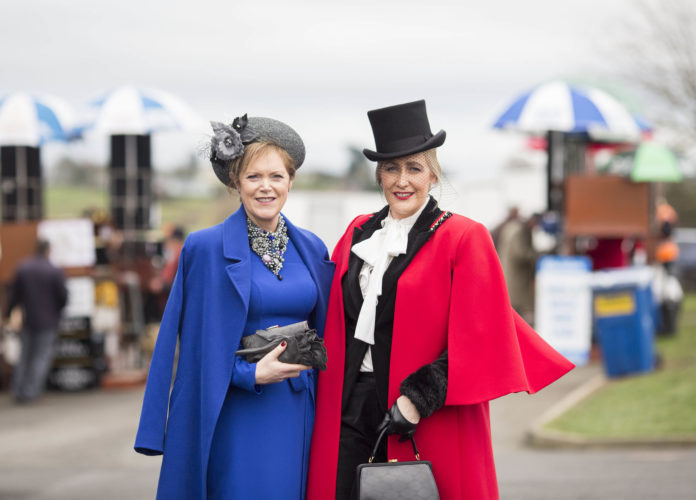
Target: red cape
x,y
451,296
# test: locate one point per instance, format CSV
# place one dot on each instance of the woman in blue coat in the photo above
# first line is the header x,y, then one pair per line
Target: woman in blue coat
x,y
231,429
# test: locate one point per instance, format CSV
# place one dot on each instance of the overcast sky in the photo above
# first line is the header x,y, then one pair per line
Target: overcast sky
x,y
317,65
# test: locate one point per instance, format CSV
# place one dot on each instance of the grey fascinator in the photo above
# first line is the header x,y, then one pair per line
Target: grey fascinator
x,y
228,141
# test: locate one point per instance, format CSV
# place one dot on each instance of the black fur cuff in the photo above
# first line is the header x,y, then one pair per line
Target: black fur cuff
x,y
427,388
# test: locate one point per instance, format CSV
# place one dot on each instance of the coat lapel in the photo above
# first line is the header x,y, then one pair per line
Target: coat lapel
x,y
236,249
235,246
417,237
384,321
352,292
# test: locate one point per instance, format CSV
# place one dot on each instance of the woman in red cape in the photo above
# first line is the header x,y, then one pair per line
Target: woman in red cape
x,y
420,333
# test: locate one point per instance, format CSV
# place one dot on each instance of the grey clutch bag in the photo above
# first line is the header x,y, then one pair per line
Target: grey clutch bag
x,y
304,346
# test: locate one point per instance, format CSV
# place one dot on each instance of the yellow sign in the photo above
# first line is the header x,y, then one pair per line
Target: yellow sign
x,y
617,304
106,294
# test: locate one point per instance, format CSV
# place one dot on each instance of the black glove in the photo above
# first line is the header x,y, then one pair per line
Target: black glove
x,y
395,423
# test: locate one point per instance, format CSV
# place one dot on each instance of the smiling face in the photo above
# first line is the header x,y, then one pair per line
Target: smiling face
x,y
406,183
263,188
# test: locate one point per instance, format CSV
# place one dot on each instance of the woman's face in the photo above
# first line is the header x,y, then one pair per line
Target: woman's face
x,y
263,188
406,183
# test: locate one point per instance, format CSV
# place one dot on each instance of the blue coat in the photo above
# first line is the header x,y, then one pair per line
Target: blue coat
x,y
206,312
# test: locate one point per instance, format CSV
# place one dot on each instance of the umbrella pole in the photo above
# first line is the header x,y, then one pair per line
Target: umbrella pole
x,y
554,171
659,190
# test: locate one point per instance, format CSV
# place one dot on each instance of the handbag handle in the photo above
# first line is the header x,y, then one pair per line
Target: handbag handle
x,y
379,440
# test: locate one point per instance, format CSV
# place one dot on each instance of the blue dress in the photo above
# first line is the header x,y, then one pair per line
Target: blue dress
x,y
260,448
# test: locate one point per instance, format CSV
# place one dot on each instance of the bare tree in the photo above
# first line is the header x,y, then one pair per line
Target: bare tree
x,y
657,54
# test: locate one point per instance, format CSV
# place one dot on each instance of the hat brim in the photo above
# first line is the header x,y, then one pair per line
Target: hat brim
x,y
434,142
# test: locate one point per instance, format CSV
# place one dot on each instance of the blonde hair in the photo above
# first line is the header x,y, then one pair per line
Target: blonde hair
x,y
258,150
428,157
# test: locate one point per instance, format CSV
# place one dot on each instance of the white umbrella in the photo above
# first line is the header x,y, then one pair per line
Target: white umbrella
x,y
558,106
33,119
132,112
136,111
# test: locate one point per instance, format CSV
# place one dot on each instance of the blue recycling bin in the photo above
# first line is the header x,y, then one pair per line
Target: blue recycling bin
x,y
625,321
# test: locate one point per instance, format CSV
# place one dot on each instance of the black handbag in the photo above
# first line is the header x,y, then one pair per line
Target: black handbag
x,y
304,346
396,480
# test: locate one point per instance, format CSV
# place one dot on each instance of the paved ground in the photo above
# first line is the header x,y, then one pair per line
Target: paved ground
x,y
78,446
74,447
569,474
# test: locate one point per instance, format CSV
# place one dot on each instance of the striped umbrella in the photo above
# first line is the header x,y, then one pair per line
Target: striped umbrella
x,y
136,111
557,106
33,119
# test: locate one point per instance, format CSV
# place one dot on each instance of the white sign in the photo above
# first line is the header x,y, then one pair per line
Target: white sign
x,y
80,297
72,241
563,313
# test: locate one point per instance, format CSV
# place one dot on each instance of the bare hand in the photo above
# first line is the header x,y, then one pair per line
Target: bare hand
x,y
269,370
408,409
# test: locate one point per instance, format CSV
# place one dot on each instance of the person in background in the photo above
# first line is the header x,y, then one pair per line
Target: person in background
x,y
664,212
161,283
668,291
233,429
420,334
172,250
518,260
513,215
39,289
667,251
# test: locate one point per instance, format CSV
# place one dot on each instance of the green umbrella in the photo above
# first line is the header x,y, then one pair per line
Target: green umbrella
x,y
655,163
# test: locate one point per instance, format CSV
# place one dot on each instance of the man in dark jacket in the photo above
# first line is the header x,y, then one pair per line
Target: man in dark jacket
x,y
39,288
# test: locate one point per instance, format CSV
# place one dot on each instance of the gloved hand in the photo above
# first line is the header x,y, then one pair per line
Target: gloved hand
x,y
396,423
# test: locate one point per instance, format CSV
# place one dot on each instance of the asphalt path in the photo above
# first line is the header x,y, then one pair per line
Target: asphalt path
x,y
79,446
525,473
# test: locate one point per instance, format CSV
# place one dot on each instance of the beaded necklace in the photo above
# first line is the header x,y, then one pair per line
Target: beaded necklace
x,y
270,246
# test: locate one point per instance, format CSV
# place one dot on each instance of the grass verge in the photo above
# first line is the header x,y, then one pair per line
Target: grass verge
x,y
191,213
71,201
659,404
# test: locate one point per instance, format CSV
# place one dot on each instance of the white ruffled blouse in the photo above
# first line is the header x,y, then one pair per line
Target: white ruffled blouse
x,y
377,252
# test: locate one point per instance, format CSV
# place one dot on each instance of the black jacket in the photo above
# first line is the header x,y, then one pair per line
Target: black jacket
x,y
427,387
39,287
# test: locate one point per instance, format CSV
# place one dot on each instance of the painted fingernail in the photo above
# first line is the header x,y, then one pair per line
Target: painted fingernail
x,y
283,343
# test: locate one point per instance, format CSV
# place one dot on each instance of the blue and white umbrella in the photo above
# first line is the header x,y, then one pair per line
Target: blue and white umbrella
x,y
557,106
33,119
133,110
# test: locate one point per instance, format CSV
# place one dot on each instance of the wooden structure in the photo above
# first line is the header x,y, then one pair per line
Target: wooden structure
x,y
606,206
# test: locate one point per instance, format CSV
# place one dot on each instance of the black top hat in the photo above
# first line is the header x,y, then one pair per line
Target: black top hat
x,y
401,130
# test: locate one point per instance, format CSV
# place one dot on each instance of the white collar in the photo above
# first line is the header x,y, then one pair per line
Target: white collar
x,y
409,221
377,252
